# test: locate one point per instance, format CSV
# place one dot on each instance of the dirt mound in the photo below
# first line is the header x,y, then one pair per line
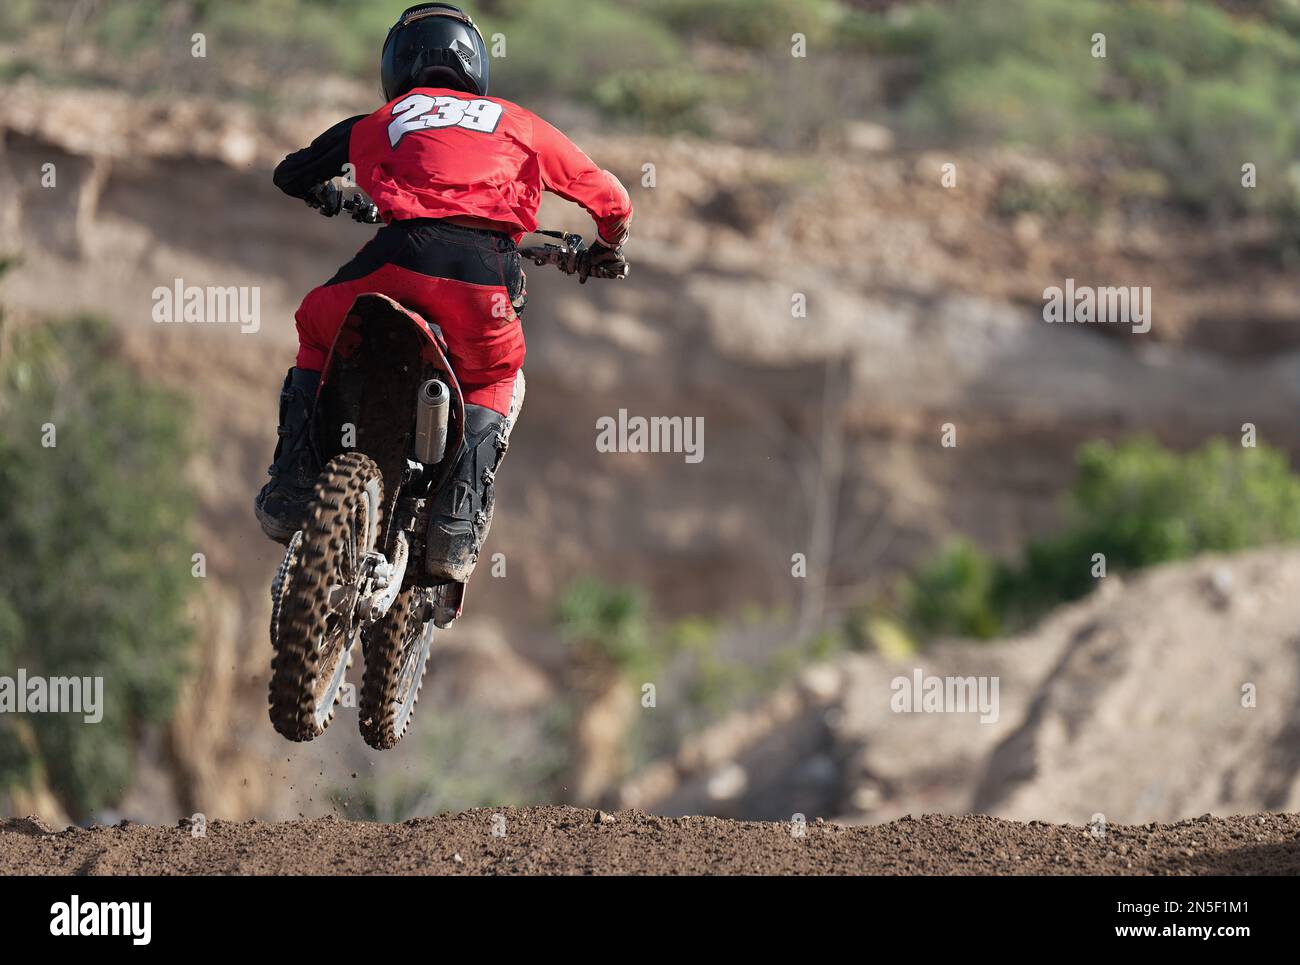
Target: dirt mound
x,y
1157,698
559,840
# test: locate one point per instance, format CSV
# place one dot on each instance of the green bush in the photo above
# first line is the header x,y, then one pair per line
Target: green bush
x,y
666,99
954,594
551,53
634,60
756,24
97,559
1051,200
607,622
1185,88
1145,504
1136,503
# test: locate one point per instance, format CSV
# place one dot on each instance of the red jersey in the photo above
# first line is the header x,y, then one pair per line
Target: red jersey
x,y
440,153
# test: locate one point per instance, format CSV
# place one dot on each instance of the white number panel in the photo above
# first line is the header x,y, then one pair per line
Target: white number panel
x,y
420,112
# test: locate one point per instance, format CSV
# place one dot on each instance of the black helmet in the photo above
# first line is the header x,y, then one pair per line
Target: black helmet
x,y
434,45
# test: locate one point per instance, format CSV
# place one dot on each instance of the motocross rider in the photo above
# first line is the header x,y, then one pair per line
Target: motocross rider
x,y
457,178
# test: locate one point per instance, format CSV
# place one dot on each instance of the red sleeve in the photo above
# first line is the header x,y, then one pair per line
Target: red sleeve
x,y
572,175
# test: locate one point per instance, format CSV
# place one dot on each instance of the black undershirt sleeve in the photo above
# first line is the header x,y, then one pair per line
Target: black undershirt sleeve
x,y
323,159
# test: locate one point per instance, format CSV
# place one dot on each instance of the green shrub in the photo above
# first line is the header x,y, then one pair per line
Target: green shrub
x,y
97,559
754,24
1054,200
1185,88
634,60
1147,505
1136,503
606,621
955,594
665,99
551,53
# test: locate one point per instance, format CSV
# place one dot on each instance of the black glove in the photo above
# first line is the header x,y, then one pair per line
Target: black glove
x,y
326,198
601,261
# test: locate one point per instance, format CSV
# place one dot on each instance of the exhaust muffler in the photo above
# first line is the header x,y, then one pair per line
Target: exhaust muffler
x,y
431,408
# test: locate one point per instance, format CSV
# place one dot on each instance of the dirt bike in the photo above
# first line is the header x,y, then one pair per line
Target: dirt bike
x,y
388,427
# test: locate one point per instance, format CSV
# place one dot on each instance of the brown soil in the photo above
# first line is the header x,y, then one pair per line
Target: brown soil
x,y
561,840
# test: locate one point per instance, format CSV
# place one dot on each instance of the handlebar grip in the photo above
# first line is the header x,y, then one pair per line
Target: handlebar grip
x,y
567,258
327,199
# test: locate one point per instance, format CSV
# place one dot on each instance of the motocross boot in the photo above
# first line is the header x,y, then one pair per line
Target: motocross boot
x,y
462,510
281,503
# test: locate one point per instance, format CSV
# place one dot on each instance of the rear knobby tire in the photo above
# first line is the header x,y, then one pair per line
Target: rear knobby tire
x,y
397,651
313,639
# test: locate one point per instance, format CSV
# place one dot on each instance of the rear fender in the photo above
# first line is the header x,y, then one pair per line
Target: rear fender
x,y
381,355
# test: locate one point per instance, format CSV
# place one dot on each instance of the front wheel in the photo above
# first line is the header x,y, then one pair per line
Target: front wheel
x,y
397,650
314,621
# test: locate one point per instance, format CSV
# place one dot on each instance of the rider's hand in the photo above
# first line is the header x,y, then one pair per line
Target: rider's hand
x,y
601,261
326,198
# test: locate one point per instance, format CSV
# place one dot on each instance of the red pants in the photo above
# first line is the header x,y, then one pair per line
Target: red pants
x,y
459,279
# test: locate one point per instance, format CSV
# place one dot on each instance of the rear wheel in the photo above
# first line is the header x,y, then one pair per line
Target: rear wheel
x,y
397,651
314,622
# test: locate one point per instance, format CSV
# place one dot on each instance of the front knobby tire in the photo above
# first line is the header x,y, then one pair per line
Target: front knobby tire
x,y
314,623
397,652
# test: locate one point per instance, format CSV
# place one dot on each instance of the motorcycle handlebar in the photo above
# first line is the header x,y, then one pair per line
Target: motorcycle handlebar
x,y
566,256
328,199
366,212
